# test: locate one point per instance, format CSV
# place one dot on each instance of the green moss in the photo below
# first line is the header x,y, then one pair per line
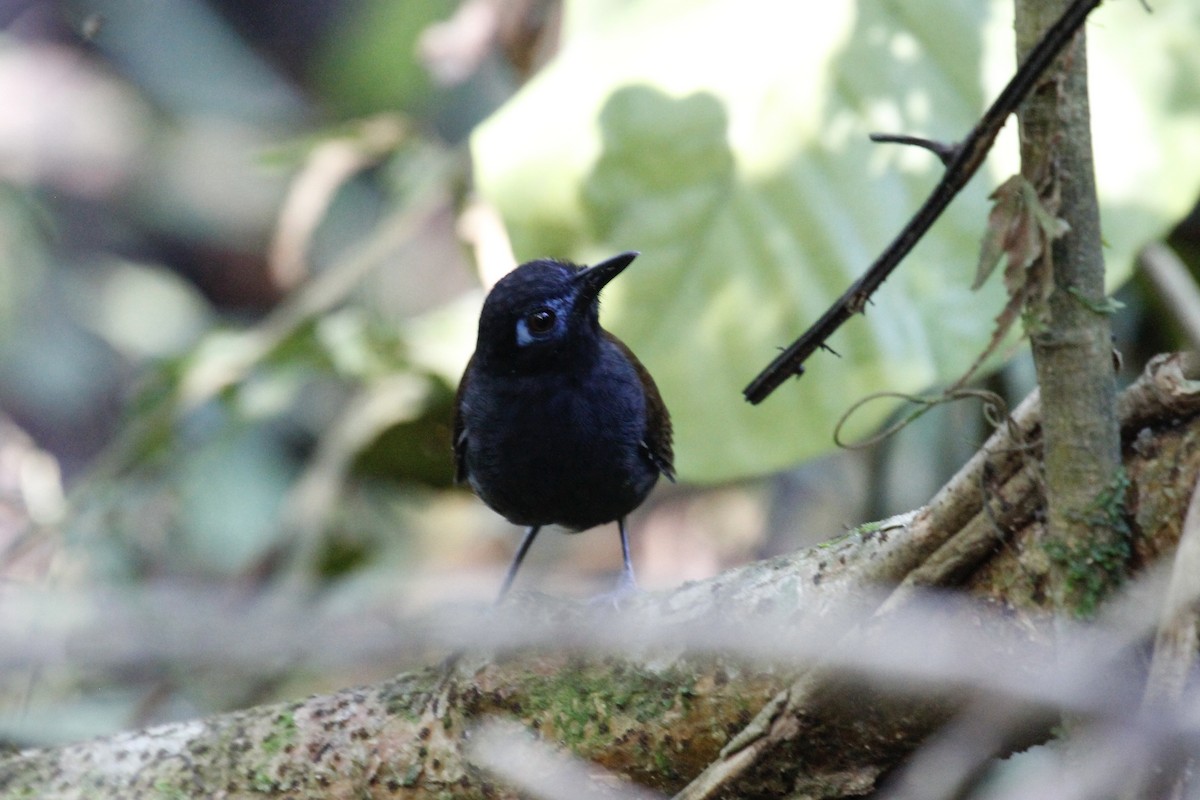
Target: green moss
x,y
165,791
585,703
407,696
662,762
412,775
1094,566
1106,306
283,734
863,530
263,783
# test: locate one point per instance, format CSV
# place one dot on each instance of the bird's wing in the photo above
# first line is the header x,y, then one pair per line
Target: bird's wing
x,y
656,445
460,428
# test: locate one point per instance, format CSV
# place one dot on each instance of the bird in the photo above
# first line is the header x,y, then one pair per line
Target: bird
x,y
556,422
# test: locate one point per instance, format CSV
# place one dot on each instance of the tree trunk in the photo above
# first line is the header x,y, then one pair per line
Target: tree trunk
x,y
1087,542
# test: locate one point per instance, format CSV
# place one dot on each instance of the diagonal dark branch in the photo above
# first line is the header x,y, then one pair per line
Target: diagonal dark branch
x,y
967,158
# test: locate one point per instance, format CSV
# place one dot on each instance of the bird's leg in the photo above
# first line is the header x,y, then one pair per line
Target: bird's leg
x,y
626,582
530,535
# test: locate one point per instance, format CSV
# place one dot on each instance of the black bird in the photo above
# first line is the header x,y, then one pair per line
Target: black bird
x,y
556,421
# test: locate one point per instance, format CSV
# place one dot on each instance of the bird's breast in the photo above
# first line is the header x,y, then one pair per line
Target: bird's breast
x,y
559,448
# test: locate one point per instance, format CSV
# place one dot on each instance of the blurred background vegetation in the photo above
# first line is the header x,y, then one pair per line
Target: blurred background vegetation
x,y
242,250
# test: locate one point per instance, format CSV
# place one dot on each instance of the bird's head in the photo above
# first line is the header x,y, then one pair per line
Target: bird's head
x,y
545,312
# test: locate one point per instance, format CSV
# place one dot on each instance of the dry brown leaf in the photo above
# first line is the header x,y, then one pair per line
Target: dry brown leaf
x,y
1020,228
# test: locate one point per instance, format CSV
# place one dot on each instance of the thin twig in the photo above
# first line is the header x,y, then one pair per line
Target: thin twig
x,y
328,167
943,150
971,153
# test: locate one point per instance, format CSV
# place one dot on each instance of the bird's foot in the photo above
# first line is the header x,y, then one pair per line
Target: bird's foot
x,y
626,588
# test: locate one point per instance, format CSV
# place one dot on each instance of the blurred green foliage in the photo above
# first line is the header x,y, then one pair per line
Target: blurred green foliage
x,y
367,64
737,158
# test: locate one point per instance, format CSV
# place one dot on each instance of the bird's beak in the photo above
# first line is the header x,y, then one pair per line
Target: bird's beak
x,y
594,278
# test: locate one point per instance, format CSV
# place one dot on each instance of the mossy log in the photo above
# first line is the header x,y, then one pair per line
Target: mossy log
x,y
706,724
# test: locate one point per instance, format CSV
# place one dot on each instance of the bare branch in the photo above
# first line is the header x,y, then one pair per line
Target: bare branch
x,y
944,151
971,153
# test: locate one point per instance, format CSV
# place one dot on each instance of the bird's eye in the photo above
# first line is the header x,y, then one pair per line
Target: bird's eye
x,y
540,321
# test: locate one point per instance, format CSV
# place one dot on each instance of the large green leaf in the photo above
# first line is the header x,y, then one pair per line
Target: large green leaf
x,y
727,140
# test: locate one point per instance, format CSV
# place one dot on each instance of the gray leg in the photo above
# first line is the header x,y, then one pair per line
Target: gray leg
x,y
626,582
530,535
